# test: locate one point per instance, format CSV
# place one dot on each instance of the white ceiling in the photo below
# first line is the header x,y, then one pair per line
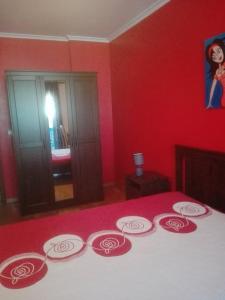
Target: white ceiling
x,y
102,20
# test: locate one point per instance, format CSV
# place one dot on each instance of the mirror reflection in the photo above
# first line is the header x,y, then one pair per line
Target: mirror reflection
x,y
57,114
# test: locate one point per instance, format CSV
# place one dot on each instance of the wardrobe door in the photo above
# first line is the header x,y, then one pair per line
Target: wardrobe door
x,y
29,132
58,115
86,137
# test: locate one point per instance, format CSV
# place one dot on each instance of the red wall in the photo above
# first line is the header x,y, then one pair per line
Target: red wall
x,y
17,54
158,86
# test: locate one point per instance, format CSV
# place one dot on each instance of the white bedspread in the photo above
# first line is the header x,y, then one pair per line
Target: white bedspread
x,y
155,260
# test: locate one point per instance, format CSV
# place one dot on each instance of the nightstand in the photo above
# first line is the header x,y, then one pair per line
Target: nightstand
x,y
148,184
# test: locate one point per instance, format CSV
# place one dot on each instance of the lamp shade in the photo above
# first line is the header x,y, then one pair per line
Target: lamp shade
x,y
138,159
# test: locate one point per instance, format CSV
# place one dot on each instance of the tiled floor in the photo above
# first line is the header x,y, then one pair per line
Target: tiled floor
x,y
10,213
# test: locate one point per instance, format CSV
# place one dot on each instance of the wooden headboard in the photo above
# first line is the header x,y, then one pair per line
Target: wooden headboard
x,y
201,175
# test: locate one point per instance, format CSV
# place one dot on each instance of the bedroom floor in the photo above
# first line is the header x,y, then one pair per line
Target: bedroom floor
x,y
10,213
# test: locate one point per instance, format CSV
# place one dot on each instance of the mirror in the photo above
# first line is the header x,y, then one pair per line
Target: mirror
x,y
56,111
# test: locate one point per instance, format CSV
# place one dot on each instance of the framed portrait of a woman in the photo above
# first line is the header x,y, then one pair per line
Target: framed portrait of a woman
x,y
215,72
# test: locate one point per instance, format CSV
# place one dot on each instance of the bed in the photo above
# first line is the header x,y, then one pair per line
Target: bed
x,y
165,246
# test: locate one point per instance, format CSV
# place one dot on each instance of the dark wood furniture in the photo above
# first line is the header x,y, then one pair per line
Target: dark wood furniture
x,y
147,184
27,93
201,175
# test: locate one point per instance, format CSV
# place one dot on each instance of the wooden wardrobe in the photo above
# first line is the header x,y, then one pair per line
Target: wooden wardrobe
x,y
55,129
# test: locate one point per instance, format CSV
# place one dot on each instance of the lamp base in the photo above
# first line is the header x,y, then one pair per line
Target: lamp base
x,y
139,171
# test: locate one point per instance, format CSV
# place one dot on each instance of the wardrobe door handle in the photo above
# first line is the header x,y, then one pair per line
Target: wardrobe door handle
x,y
70,140
44,144
76,142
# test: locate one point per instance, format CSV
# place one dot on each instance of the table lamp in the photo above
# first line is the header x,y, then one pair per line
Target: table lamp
x,y
138,162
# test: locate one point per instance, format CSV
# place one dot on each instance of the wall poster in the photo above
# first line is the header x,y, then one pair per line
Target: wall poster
x,y
215,72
